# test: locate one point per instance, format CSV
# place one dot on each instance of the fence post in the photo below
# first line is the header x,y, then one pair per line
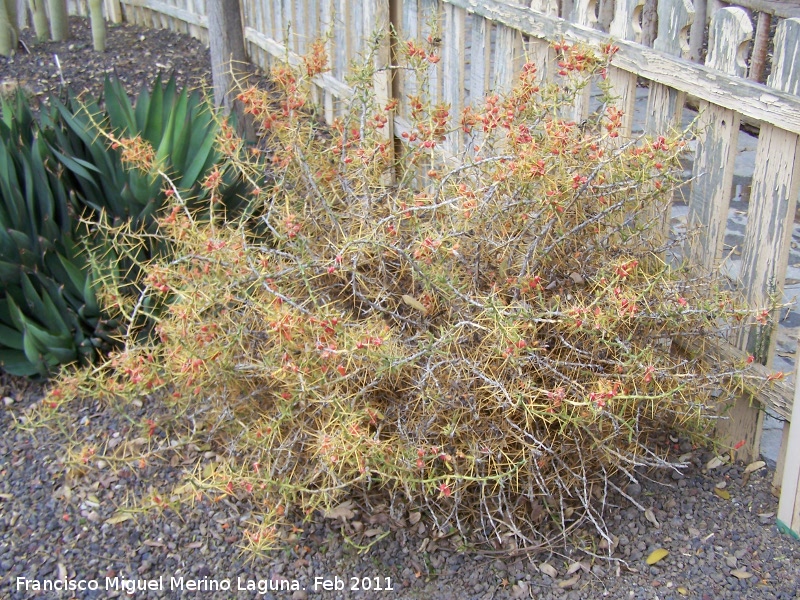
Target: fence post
x,y
785,76
625,26
768,232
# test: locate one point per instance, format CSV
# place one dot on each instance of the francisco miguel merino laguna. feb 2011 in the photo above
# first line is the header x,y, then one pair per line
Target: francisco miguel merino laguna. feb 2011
x,y
131,586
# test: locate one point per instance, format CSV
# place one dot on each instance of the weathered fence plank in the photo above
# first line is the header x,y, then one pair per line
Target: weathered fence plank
x,y
776,182
664,103
710,195
785,75
539,51
453,52
789,504
625,26
718,127
480,53
507,56
583,14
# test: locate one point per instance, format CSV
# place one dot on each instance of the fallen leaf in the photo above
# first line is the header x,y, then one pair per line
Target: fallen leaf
x,y
741,574
683,591
91,498
754,466
715,462
577,278
194,545
574,568
650,516
415,304
569,582
548,569
685,458
414,517
520,590
372,532
766,515
724,494
344,511
656,555
119,518
154,543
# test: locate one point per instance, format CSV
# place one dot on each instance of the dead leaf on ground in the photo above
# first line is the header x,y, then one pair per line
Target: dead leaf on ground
x,y
741,574
715,462
119,518
650,516
372,532
344,511
574,568
414,517
569,582
754,466
724,494
415,304
656,555
548,569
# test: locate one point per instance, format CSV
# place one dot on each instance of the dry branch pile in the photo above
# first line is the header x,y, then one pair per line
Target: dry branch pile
x,y
492,342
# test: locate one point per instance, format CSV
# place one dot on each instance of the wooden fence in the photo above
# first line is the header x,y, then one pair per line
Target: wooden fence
x,y
483,43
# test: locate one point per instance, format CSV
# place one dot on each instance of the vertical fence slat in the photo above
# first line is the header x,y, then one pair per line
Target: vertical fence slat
x,y
340,39
453,59
507,57
789,504
430,12
773,198
625,26
480,53
785,75
664,104
584,14
326,27
709,198
540,51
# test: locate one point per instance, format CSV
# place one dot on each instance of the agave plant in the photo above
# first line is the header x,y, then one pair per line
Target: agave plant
x,y
62,175
179,126
48,310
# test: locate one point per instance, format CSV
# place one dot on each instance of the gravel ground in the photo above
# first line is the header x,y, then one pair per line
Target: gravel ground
x,y
54,516
54,524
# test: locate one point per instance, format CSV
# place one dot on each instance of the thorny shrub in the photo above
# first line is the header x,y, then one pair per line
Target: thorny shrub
x,y
491,342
